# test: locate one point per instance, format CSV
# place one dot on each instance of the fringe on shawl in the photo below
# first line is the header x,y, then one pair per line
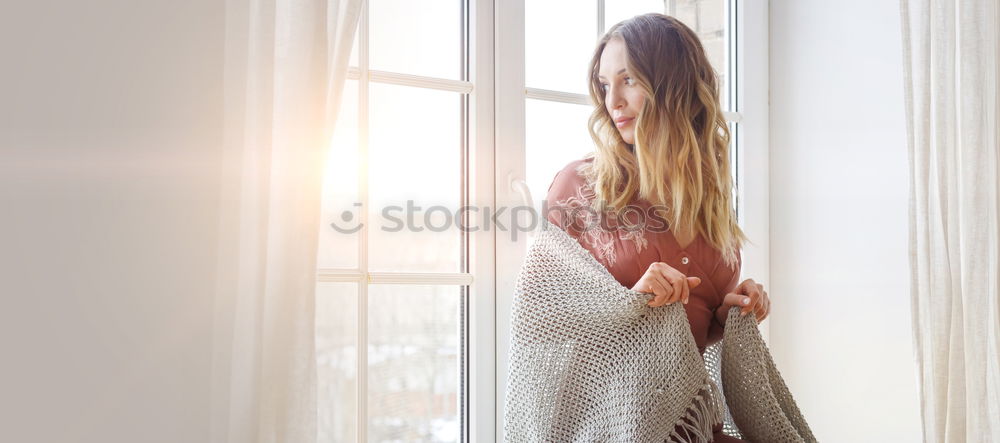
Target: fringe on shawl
x,y
705,411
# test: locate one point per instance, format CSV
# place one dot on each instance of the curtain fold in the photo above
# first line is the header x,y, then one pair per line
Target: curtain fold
x,y
950,50
285,68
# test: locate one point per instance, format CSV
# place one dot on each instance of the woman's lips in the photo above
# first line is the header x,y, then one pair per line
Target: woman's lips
x,y
621,123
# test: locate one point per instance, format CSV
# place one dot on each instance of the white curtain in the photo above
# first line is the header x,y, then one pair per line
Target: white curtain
x,y
950,62
286,63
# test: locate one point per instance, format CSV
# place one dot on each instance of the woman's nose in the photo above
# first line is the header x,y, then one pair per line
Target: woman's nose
x,y
615,100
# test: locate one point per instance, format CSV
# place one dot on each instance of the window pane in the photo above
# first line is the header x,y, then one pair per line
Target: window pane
x,y
709,19
336,360
338,237
415,167
413,363
560,36
618,10
556,134
417,37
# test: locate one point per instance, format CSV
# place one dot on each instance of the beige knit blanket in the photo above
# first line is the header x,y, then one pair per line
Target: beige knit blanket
x,y
590,361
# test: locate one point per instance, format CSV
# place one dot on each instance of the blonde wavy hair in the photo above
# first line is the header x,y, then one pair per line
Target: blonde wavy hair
x,y
680,160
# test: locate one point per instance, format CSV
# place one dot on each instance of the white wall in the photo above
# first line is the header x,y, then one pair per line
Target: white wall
x,y
840,323
110,134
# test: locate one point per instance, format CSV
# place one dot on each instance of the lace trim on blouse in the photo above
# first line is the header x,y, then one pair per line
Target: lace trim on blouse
x,y
593,233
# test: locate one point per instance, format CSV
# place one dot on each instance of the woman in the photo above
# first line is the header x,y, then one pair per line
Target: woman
x,y
653,203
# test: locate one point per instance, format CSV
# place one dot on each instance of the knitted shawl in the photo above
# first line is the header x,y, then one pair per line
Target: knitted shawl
x,y
591,361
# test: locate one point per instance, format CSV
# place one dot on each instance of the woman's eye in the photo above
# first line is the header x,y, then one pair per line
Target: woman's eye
x,y
604,87
629,81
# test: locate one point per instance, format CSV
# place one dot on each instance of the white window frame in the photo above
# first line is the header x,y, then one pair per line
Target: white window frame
x,y
495,163
482,327
480,344
750,25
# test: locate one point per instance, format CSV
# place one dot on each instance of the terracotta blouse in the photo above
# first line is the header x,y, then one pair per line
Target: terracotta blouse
x,y
627,249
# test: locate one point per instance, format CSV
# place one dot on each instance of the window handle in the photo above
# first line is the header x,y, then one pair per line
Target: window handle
x,y
519,186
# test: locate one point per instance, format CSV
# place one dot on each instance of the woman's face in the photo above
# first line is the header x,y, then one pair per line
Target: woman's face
x,y
623,97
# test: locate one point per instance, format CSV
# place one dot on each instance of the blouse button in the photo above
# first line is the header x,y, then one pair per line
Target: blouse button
x,y
684,260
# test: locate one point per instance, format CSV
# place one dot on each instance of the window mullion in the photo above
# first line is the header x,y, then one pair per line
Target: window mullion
x,y
419,81
364,58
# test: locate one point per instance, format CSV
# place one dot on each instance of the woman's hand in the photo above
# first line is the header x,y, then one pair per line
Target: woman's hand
x,y
750,296
666,283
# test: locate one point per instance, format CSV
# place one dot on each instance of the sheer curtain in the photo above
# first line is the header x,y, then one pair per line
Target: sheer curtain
x,y
286,63
950,63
